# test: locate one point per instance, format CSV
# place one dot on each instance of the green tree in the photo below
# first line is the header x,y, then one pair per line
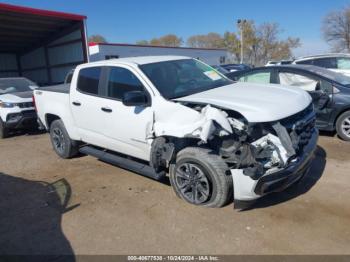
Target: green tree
x,y
261,43
142,42
232,43
271,48
155,41
170,40
210,40
97,39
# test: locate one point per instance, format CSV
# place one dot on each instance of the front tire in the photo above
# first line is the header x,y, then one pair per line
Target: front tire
x,y
343,126
61,142
201,178
3,130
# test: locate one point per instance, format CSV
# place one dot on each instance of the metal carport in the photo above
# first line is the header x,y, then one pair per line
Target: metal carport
x,y
39,44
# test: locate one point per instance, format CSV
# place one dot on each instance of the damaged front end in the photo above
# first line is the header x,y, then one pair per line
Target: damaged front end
x,y
256,152
251,150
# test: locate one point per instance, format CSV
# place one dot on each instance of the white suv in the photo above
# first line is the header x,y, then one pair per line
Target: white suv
x,y
16,104
336,62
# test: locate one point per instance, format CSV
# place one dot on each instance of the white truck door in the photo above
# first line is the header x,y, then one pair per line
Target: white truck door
x,y
100,116
125,127
86,103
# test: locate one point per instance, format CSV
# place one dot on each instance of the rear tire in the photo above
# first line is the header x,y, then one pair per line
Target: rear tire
x,y
201,178
343,126
61,142
3,130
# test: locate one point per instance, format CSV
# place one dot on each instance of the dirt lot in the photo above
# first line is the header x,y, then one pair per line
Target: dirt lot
x,y
113,211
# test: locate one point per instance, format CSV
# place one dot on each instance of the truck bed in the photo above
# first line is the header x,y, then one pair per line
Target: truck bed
x,y
53,100
63,88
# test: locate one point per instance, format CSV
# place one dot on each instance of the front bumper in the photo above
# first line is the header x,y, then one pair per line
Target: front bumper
x,y
248,190
23,119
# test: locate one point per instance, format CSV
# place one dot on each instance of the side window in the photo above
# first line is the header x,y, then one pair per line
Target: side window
x,y
343,63
301,81
107,57
258,77
305,62
326,62
120,81
88,80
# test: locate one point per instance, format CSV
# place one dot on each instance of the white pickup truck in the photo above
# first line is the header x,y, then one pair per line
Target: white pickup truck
x,y
217,139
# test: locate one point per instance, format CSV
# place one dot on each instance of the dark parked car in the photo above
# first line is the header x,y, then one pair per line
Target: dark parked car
x,y
329,90
220,69
235,67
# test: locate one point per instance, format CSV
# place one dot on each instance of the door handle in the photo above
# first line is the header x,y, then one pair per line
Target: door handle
x,y
76,103
106,109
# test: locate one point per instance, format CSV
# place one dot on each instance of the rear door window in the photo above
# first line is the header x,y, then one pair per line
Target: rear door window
x,y
326,62
305,62
261,77
88,80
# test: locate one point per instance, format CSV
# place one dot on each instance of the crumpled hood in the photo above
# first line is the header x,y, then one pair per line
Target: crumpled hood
x,y
256,102
17,97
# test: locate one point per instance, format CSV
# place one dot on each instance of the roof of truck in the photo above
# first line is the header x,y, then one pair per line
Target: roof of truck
x,y
140,60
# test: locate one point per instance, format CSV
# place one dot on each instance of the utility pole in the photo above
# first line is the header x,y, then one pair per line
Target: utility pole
x,y
240,24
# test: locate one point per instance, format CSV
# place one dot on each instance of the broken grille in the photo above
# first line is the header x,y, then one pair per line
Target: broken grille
x,y
300,127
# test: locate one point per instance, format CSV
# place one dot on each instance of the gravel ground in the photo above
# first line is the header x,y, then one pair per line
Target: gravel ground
x,y
96,208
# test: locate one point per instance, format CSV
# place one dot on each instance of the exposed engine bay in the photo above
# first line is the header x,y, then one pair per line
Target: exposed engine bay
x,y
254,148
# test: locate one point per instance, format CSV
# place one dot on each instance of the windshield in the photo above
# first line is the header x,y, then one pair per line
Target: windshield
x,y
185,77
12,85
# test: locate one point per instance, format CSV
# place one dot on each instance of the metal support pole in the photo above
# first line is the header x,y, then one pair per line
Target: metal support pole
x,y
242,42
240,24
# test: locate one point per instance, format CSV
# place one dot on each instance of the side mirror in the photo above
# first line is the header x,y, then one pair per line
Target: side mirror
x,y
135,98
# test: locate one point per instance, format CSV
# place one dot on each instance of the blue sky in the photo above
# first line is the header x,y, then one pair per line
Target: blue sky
x,y
126,21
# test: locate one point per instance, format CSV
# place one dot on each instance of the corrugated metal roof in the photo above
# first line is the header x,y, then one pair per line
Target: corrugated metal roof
x,y
41,12
22,27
